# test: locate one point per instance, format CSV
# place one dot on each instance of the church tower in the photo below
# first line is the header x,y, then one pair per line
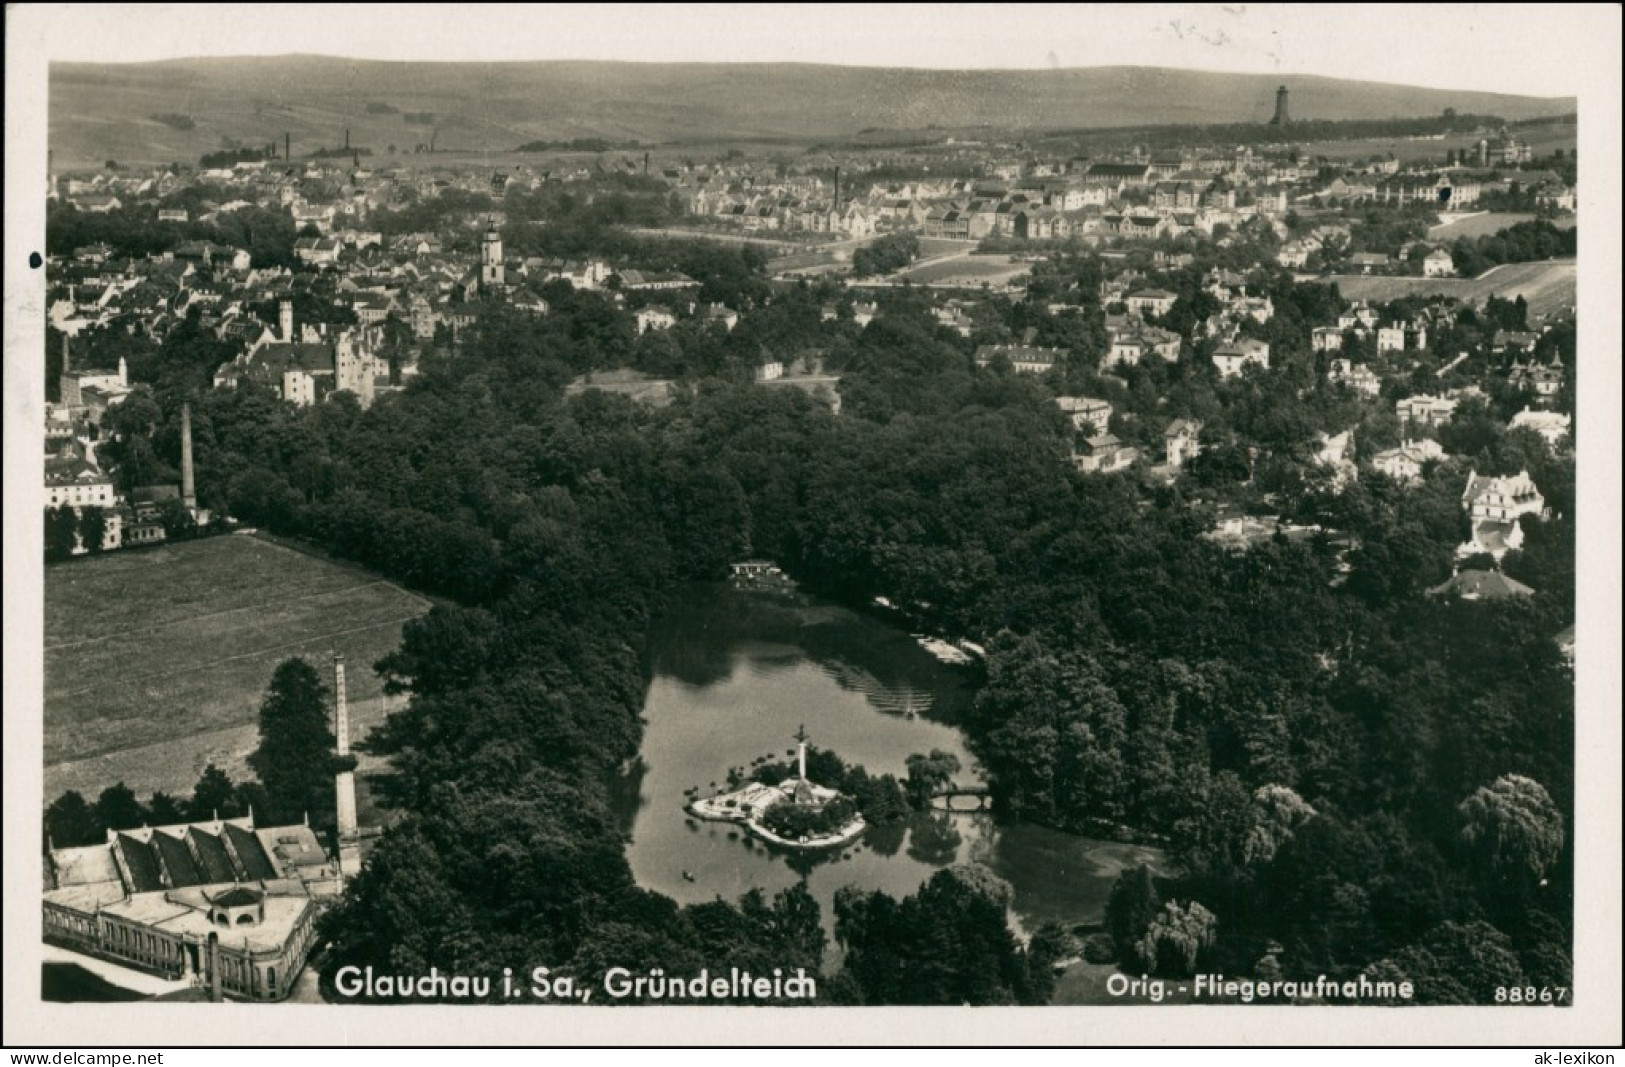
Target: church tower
x,y
493,276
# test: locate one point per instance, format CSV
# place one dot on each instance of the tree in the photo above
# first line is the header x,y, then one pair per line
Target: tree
x,y
949,943
1177,938
118,809
165,810
70,822
927,774
60,525
1459,963
294,760
1514,830
1131,907
1276,812
92,529
886,254
213,797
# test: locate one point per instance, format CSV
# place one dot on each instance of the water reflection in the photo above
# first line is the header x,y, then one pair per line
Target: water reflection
x,y
933,840
734,674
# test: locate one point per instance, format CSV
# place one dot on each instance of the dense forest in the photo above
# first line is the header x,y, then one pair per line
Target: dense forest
x,y
1351,775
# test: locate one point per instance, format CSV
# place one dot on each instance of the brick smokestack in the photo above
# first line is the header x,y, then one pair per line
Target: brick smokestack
x,y
837,187
287,146
345,782
188,488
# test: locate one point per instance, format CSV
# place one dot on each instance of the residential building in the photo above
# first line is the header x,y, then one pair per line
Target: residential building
x,y
1546,382
1181,441
1356,376
1103,454
1369,262
1495,505
654,317
1135,340
1425,410
1231,358
1438,264
1025,359
1089,415
1406,463
1326,339
73,481
1151,301
1551,425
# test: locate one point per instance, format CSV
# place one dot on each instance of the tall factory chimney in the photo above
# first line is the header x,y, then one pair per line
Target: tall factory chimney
x,y
344,782
67,385
287,146
646,163
346,138
285,321
1282,115
188,488
837,188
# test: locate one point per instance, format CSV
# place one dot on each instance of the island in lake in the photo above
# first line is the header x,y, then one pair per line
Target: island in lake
x,y
793,813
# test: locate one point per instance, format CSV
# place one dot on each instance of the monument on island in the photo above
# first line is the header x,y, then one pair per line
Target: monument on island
x,y
794,813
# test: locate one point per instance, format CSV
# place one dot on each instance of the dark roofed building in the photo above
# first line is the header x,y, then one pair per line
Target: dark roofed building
x,y
214,863
250,856
1481,585
177,861
237,897
206,903
139,864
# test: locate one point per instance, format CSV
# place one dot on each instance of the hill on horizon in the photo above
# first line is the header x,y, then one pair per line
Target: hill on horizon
x,y
177,110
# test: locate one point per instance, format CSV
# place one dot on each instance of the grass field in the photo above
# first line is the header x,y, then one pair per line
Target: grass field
x,y
1547,286
942,246
1486,223
156,661
973,270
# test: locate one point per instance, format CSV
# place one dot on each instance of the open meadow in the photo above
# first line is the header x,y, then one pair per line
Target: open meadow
x,y
156,660
1484,223
968,271
1548,286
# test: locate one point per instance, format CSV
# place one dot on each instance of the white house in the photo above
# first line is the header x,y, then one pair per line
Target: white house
x,y
1553,426
654,317
1231,358
1088,414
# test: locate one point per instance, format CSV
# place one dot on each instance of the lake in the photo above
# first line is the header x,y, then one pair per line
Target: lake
x,y
735,673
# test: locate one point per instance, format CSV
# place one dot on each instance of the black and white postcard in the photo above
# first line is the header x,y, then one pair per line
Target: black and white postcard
x,y
1043,510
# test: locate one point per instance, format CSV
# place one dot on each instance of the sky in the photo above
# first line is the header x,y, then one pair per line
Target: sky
x,y
1516,49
